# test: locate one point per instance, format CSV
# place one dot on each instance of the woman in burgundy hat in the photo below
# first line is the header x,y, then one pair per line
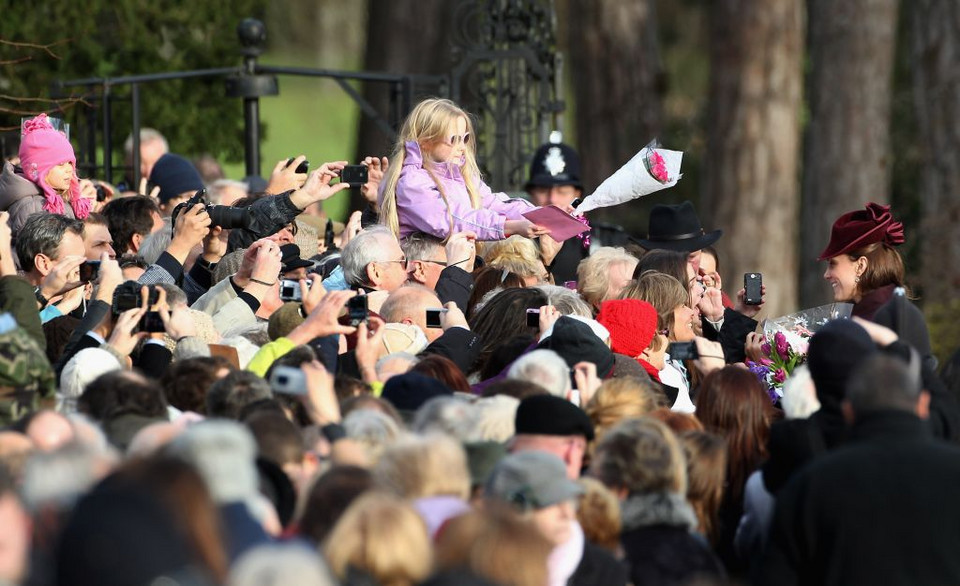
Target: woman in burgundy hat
x,y
864,266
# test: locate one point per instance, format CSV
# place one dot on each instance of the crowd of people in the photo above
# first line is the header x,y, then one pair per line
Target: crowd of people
x,y
206,381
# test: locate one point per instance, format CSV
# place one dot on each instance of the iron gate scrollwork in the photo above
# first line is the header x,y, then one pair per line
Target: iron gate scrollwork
x,y
507,76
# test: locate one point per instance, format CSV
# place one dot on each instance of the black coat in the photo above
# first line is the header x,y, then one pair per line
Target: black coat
x,y
659,545
882,509
598,567
732,335
564,266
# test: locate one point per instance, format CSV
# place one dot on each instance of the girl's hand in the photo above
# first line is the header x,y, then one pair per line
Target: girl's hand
x,y
524,228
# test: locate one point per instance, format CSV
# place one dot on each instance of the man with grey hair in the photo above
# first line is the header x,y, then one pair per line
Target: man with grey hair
x,y
226,192
834,520
374,261
545,368
444,267
153,145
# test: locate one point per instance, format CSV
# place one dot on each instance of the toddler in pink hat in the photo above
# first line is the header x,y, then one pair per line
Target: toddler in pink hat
x,y
47,159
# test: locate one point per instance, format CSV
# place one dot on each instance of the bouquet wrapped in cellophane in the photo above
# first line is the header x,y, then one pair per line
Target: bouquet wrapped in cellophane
x,y
786,340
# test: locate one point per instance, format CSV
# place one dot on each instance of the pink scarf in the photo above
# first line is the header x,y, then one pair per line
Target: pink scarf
x,y
42,148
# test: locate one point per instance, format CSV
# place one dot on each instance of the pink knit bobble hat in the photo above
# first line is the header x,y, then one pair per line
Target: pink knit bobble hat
x,y
42,147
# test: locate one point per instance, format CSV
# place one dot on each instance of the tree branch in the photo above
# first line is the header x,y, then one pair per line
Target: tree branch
x,y
45,48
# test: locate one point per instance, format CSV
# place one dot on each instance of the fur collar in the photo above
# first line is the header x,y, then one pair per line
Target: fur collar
x,y
645,510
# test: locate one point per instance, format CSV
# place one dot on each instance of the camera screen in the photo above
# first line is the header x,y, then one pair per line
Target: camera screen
x,y
433,318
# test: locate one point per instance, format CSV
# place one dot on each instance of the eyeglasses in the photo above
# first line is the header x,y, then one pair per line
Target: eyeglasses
x,y
436,262
402,261
456,139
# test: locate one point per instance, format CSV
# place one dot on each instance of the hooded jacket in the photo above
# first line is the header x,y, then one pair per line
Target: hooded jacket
x,y
21,198
421,207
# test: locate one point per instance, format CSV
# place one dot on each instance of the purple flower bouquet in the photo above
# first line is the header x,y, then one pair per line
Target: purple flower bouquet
x,y
786,340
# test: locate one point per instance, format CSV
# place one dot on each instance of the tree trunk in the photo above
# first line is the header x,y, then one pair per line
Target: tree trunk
x,y
936,44
847,151
617,74
402,38
751,188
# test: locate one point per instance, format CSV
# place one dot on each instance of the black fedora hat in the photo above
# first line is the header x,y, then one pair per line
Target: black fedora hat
x,y
676,227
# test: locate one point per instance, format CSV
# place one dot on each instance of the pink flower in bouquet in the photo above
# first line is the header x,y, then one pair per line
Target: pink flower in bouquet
x,y
658,168
766,361
765,348
779,376
783,349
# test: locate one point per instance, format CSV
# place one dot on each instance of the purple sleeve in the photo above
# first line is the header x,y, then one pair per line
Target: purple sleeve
x,y
420,207
513,209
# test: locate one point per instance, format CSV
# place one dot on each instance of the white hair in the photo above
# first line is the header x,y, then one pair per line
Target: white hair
x,y
215,189
279,565
224,452
545,368
373,430
567,302
395,363
495,418
146,135
363,249
59,477
449,415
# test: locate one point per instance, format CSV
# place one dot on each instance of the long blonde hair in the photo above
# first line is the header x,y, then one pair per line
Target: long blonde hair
x,y
428,123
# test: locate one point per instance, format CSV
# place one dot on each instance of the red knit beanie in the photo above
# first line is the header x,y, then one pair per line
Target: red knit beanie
x,y
632,324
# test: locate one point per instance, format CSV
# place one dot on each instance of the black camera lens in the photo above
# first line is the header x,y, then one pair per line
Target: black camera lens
x,y
228,217
101,193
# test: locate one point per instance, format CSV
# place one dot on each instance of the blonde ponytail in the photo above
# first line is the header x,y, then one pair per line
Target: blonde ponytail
x,y
388,196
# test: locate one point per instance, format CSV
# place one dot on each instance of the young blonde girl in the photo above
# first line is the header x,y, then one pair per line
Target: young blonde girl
x,y
433,184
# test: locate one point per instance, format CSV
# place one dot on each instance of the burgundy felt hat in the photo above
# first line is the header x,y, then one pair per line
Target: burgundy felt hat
x,y
863,227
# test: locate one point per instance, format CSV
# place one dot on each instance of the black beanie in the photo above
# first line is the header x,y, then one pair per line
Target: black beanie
x,y
835,352
551,415
407,392
175,175
575,342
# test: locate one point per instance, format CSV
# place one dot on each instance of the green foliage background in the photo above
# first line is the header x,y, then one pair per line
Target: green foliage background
x,y
124,37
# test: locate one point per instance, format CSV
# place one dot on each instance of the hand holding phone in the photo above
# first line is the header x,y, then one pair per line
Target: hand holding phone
x,y
288,381
355,175
683,351
435,317
357,311
302,168
753,288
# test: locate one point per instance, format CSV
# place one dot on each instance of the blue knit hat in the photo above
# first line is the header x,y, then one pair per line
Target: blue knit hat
x,y
175,175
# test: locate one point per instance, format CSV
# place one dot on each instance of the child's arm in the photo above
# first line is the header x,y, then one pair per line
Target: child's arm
x,y
502,203
420,207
